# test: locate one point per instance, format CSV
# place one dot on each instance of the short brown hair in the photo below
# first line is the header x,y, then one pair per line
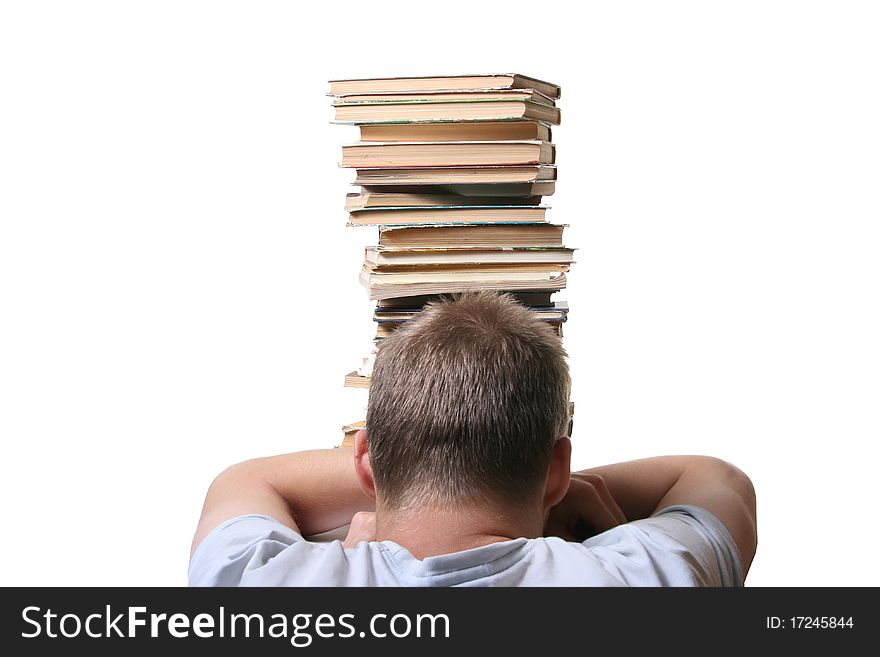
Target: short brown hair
x,y
466,403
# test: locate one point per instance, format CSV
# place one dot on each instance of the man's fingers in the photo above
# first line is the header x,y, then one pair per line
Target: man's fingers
x,y
592,508
587,508
598,482
556,526
362,528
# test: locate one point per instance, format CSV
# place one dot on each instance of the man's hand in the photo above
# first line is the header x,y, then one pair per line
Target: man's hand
x,y
310,492
362,528
586,510
644,487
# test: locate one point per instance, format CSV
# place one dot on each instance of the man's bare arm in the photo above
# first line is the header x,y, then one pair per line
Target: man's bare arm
x,y
310,492
645,486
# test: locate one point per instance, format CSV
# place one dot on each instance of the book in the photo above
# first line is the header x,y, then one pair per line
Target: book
x,y
476,109
476,236
349,431
420,198
373,155
382,286
447,131
386,330
447,82
418,302
354,380
556,312
511,191
374,257
447,214
364,382
460,175
445,95
458,270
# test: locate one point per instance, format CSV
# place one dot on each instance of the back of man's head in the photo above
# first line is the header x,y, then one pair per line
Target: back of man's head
x,y
466,403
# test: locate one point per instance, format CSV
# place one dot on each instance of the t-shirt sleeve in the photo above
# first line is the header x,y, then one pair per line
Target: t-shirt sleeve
x,y
680,545
710,551
236,546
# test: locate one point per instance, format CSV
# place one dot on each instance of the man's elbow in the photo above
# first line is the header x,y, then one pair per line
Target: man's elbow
x,y
729,475
741,484
229,479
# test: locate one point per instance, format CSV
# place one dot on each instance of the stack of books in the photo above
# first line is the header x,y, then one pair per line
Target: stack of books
x,y
453,170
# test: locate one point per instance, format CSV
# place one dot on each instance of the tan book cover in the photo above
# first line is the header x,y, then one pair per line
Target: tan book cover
x,y
445,82
369,199
477,236
474,109
451,214
531,95
374,155
492,178
456,131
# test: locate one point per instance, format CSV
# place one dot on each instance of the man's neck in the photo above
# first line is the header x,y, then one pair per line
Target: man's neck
x,y
432,531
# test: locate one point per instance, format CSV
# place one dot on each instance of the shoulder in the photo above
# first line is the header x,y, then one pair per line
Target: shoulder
x,y
240,545
681,545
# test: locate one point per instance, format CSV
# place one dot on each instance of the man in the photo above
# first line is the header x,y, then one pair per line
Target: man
x,y
462,477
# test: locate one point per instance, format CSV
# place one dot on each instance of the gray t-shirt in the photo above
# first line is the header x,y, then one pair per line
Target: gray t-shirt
x,y
680,545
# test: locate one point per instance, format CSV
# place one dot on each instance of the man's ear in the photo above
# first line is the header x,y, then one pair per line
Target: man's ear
x,y
362,466
559,473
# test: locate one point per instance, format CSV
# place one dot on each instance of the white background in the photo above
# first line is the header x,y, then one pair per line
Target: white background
x,y
178,290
